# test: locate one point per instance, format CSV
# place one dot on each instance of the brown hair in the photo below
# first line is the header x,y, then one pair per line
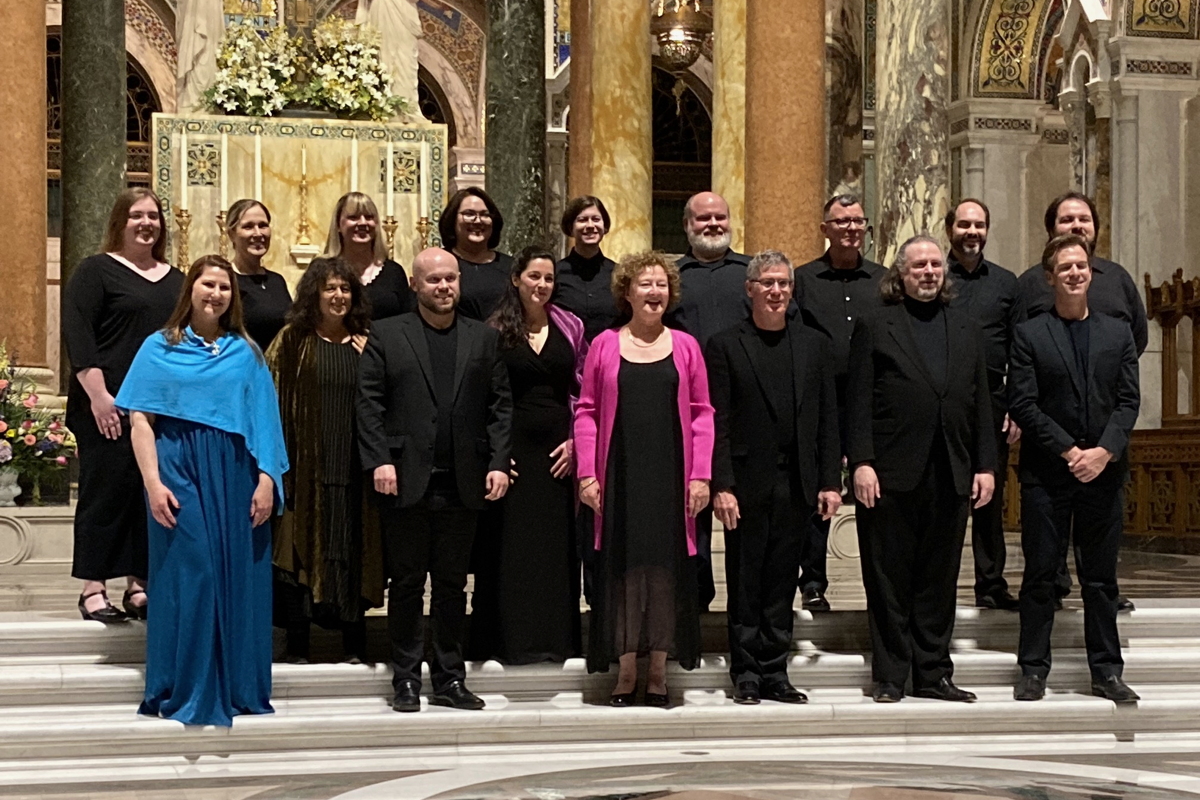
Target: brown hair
x,y
891,285
448,222
352,204
1052,211
239,209
577,206
305,313
114,233
230,321
1060,243
952,214
631,266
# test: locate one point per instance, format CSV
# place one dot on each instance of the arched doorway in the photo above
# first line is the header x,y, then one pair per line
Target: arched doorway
x,y
682,157
434,105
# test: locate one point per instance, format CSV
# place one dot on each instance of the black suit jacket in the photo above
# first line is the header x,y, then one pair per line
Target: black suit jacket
x,y
895,407
1046,391
744,453
397,407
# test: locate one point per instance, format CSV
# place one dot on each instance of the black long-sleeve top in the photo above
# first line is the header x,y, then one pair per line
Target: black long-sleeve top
x,y
713,295
389,292
991,296
265,302
1112,292
481,285
583,286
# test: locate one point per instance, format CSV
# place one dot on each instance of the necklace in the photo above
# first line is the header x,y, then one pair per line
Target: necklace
x,y
634,340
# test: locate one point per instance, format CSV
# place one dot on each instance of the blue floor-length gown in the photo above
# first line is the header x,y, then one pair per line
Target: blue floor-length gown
x,y
208,642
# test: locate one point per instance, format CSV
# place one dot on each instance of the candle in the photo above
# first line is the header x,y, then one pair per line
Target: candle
x,y
354,164
391,181
425,155
183,176
304,160
224,172
258,166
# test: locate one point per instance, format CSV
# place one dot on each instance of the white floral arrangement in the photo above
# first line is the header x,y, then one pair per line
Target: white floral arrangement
x,y
346,75
254,71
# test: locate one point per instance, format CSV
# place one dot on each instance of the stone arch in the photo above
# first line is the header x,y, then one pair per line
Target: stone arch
x,y
1082,70
1011,46
461,100
151,43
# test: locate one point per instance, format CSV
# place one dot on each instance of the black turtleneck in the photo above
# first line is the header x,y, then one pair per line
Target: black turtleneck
x,y
583,286
929,329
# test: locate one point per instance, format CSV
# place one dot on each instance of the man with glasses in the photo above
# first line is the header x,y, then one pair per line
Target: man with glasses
x,y
776,457
989,294
837,289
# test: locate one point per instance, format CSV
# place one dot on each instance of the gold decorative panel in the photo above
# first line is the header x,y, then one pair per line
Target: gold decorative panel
x,y
1011,48
1164,19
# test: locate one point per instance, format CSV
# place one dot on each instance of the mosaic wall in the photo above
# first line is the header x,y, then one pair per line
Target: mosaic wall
x,y
457,37
1165,19
146,21
1012,47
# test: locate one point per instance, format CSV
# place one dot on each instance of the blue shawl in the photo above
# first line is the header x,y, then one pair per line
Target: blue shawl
x,y
225,385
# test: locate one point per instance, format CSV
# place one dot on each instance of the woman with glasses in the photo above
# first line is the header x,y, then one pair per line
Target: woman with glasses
x,y
354,235
470,228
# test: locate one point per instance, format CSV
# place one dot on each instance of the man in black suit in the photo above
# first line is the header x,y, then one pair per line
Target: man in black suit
x,y
1073,389
775,458
921,444
1112,293
434,419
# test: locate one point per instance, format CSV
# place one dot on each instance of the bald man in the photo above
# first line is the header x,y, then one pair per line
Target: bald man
x,y
434,422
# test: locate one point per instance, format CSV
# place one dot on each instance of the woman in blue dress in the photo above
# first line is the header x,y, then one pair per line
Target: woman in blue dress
x,y
209,444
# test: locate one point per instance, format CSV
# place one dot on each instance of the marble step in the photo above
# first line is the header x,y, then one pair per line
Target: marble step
x,y
69,685
73,641
94,732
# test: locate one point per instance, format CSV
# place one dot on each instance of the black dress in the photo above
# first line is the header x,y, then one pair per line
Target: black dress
x,y
644,595
265,302
482,285
389,292
583,286
108,311
536,587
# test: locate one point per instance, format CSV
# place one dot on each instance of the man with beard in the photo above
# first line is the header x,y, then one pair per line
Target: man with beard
x,y
989,294
712,298
1074,389
1112,292
836,290
434,422
920,444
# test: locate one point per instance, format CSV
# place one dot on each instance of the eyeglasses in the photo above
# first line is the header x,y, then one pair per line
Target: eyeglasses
x,y
475,216
848,222
771,283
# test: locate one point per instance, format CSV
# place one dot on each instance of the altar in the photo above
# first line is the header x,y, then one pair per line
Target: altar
x,y
298,167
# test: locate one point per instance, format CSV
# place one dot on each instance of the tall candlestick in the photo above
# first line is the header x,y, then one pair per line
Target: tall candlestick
x,y
391,181
425,155
258,167
224,172
354,164
183,176
304,159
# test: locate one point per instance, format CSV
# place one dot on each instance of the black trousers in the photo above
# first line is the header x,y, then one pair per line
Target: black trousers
x,y
987,531
761,558
431,538
705,584
911,546
814,548
1050,515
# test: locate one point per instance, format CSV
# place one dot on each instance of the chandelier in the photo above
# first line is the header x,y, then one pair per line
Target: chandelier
x,y
681,29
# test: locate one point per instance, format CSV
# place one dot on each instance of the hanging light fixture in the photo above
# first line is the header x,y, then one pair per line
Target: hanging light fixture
x,y
681,28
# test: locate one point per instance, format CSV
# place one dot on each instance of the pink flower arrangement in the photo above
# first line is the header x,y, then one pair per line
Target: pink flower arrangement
x,y
27,424
30,440
3,426
3,384
31,401
61,461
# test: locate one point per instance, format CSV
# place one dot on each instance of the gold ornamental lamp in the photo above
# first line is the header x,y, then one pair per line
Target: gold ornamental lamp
x,y
681,28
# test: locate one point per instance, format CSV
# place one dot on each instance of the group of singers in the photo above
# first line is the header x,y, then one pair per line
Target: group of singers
x,y
248,458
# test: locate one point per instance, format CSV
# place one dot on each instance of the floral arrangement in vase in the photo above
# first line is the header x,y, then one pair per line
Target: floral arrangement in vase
x,y
255,71
346,75
34,442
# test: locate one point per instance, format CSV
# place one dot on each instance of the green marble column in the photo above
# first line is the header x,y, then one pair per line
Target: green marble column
x,y
516,118
93,124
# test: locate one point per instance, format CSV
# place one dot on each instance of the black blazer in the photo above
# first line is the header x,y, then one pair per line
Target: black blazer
x,y
744,454
1045,395
397,407
895,408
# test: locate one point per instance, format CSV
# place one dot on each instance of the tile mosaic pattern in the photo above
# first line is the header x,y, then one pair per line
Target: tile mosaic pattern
x,y
1163,19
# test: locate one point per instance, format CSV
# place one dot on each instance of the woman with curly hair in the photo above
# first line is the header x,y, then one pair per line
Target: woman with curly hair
x,y
327,554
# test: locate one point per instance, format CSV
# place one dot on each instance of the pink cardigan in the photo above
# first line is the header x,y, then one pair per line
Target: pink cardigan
x,y
596,414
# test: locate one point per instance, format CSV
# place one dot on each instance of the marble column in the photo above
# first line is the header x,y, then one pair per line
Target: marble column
x,y
23,176
844,55
729,111
93,124
912,125
622,136
516,118
1100,168
579,121
785,141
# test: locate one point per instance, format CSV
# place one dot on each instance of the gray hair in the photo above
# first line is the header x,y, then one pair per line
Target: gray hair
x,y
843,200
765,259
891,286
900,263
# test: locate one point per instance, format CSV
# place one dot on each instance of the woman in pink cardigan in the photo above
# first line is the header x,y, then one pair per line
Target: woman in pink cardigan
x,y
643,442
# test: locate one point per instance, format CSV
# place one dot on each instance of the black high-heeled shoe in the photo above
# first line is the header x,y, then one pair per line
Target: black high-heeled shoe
x,y
622,700
132,611
108,615
656,700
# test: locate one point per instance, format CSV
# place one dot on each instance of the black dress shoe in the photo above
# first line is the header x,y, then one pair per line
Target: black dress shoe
x,y
814,600
945,690
1058,604
456,695
108,614
1113,688
623,700
887,693
783,692
1030,687
747,694
656,700
132,611
407,698
1124,603
1002,601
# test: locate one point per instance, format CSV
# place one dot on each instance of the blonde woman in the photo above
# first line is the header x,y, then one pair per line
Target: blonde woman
x,y
355,236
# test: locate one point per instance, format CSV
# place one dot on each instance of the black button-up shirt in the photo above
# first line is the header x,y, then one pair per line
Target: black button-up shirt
x,y
714,295
583,286
835,298
991,296
1112,292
